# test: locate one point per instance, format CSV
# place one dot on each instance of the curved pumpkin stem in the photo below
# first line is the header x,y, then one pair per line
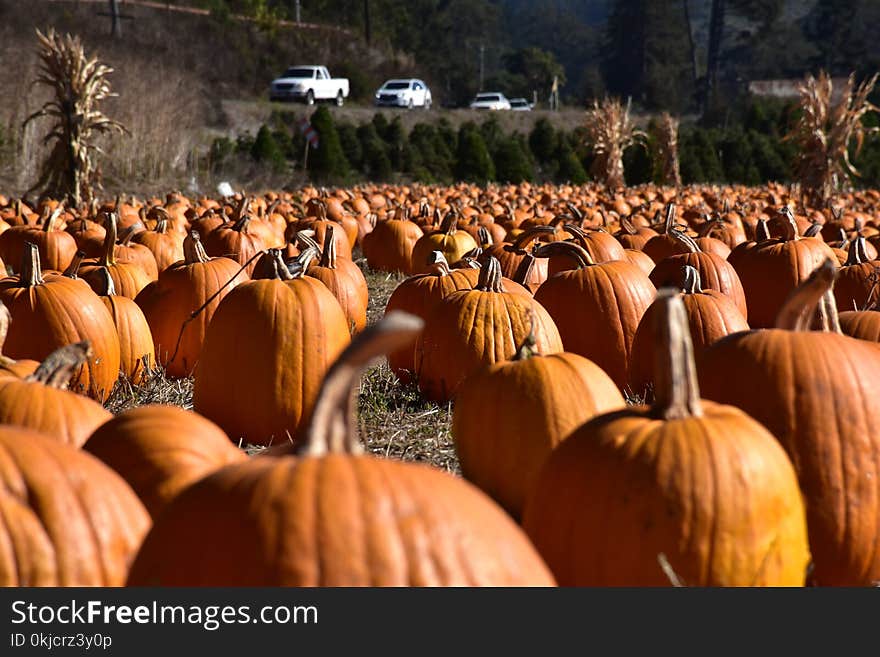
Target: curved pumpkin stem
x,y
49,223
490,276
814,230
193,250
529,347
685,240
574,251
437,264
241,226
691,283
108,257
789,226
524,269
669,221
530,235
328,255
762,231
106,286
856,254
826,313
5,321
306,239
676,391
58,367
484,237
72,270
448,225
802,304
627,227
162,221
271,266
332,428
31,273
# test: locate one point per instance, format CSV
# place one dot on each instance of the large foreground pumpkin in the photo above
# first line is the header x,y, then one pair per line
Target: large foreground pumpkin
x,y
816,391
508,417
68,520
331,515
160,450
266,352
685,484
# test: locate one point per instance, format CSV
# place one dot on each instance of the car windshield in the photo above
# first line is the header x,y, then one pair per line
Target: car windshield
x,y
299,73
518,102
492,97
394,86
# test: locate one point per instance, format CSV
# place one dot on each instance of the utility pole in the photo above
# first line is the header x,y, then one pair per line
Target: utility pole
x,y
367,21
482,51
297,11
116,22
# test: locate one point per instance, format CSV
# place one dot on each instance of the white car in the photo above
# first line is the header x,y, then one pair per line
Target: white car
x,y
407,93
520,105
490,101
309,84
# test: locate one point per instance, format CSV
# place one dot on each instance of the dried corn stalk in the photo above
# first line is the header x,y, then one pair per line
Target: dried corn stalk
x,y
78,85
824,132
610,131
666,135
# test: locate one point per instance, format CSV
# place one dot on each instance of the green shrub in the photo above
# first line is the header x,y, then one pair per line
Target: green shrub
x,y
375,163
473,163
511,162
327,162
568,167
544,141
351,144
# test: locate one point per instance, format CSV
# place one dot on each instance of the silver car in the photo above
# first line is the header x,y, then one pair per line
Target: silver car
x,y
490,101
407,93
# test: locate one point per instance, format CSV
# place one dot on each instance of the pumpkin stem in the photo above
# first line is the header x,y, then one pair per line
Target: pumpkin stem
x,y
306,239
826,313
529,347
437,264
332,428
524,271
575,211
685,240
30,273
448,224
814,229
789,226
669,221
490,276
108,257
193,250
627,226
676,391
530,235
106,286
762,231
5,320
691,283
241,225
49,223
58,367
72,270
162,221
801,305
484,237
328,255
856,254
574,251
272,266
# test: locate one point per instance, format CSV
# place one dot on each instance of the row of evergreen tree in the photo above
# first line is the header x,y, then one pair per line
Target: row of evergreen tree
x,y
751,152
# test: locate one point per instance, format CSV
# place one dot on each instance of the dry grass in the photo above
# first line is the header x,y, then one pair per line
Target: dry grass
x,y
825,131
394,421
610,131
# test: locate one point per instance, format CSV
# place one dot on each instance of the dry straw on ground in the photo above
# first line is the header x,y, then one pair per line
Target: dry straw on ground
x,y
825,132
666,135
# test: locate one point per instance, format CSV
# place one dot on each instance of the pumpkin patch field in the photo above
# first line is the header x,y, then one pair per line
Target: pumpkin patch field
x,y
413,385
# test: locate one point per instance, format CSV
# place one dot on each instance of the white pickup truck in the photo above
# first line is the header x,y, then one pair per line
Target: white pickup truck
x,y
309,84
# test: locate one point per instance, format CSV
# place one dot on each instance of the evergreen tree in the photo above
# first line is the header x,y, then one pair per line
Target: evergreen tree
x,y
473,163
543,141
395,138
351,145
511,163
375,162
569,167
327,162
265,149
